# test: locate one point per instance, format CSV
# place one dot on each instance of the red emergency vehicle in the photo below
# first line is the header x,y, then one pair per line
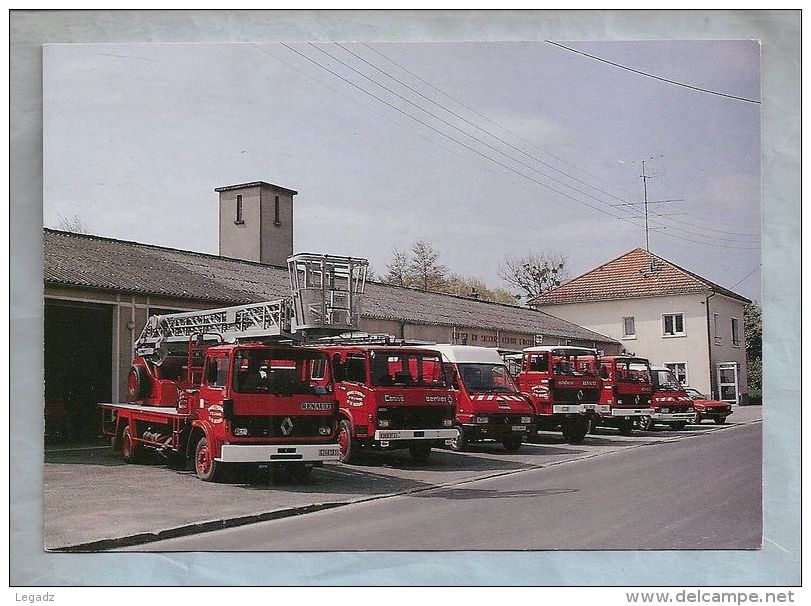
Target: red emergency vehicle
x,y
233,386
626,393
707,408
670,403
489,405
563,386
391,397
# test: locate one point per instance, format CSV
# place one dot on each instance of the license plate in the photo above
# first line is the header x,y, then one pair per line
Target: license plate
x,y
519,427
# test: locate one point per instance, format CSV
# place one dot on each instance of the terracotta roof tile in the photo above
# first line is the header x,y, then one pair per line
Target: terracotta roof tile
x,y
629,276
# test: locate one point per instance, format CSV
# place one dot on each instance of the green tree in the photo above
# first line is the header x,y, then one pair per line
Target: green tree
x,y
424,270
753,336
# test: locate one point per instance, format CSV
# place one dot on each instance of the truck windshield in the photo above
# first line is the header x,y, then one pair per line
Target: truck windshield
x,y
406,369
575,365
487,378
276,371
630,371
665,379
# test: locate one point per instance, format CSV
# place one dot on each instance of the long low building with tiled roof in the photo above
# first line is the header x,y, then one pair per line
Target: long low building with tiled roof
x,y
109,287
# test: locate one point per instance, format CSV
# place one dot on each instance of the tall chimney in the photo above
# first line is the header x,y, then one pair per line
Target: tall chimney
x,y
256,222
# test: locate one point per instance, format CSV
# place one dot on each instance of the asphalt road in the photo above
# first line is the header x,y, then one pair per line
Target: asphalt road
x,y
698,493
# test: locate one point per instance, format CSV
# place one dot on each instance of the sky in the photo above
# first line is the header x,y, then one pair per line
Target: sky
x,y
486,150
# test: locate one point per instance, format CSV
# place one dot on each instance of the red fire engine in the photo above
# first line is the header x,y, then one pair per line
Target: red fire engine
x,y
391,397
626,393
671,404
489,405
234,386
563,386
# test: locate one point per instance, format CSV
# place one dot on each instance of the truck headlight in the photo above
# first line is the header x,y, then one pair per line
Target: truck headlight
x,y
240,431
483,420
526,420
690,409
383,422
325,430
665,410
447,422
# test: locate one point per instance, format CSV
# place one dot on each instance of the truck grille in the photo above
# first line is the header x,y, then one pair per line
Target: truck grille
x,y
569,396
275,426
416,417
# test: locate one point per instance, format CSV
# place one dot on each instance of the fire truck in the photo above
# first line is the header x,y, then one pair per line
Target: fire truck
x,y
563,386
670,403
391,396
234,386
489,405
626,393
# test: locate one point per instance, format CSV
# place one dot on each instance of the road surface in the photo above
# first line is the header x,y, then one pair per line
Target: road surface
x,y
698,493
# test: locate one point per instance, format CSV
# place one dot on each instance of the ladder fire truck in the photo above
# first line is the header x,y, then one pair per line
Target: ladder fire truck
x,y
235,386
563,386
391,396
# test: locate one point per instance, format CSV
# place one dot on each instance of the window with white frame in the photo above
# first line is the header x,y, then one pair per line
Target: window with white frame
x,y
736,333
628,328
673,325
680,370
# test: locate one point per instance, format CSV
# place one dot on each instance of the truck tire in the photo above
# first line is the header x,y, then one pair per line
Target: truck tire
x,y
131,451
349,447
576,431
626,427
645,423
420,451
678,425
720,420
459,443
512,442
205,466
138,383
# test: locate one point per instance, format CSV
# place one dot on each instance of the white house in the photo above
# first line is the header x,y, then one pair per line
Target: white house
x,y
662,312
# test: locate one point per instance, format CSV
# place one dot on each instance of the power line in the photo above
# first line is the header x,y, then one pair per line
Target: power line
x,y
757,267
636,71
499,163
472,110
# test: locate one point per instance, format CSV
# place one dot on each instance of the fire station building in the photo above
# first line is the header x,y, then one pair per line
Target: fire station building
x,y
100,291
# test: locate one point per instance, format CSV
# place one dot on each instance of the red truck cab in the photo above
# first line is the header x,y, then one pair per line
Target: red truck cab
x,y
489,405
563,386
228,405
670,403
391,397
626,394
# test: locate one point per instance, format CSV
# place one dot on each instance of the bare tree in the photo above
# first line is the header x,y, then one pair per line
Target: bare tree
x,y
74,224
534,273
397,269
424,269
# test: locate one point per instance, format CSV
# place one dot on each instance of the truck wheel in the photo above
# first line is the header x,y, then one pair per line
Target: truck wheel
x,y
206,467
348,446
720,420
512,442
697,421
645,423
626,426
420,451
459,443
678,425
576,431
592,424
138,383
131,451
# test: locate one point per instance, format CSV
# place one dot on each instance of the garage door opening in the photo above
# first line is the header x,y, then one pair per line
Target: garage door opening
x,y
78,369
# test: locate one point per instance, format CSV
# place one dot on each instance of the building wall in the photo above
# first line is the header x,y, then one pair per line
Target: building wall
x,y
722,349
276,238
606,317
241,241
